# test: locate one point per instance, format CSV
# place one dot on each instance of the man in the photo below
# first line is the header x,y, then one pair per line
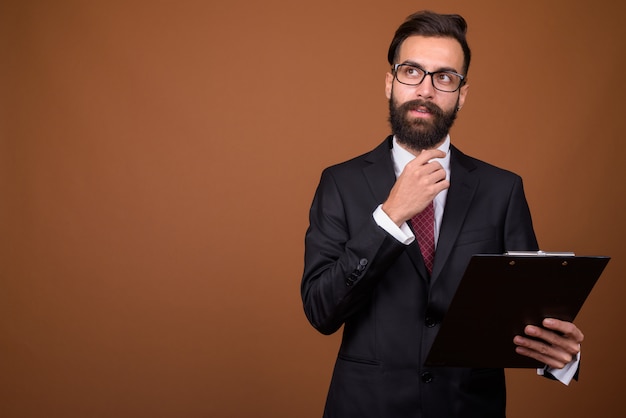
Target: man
x,y
366,269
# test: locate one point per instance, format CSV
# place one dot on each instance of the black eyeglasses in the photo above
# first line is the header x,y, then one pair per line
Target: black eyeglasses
x,y
412,75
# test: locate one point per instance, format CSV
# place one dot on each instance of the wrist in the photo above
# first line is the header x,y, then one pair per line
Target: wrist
x,y
395,218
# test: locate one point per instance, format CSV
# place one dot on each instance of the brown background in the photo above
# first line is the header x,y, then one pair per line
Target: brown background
x,y
157,162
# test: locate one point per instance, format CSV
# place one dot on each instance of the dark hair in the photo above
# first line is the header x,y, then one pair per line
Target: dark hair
x,y
427,23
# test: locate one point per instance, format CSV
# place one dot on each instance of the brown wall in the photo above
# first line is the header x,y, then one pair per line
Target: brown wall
x,y
157,162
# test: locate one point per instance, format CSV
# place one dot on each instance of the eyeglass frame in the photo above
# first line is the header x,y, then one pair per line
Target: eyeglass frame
x,y
431,74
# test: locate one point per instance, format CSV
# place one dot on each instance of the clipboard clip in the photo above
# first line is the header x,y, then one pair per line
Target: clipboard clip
x,y
541,253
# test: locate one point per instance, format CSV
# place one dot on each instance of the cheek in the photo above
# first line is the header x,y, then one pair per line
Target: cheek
x,y
450,103
399,97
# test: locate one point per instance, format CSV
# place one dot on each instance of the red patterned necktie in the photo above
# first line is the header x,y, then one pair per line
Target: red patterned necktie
x,y
424,228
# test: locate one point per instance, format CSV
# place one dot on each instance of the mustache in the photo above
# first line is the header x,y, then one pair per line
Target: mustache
x,y
417,103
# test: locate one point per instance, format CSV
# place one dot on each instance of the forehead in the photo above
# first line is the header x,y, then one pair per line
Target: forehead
x,y
432,53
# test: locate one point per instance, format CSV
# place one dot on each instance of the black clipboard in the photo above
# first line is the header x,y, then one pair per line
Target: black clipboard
x,y
500,294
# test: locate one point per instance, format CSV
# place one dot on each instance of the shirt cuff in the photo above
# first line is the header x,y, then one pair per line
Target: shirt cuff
x,y
564,375
402,233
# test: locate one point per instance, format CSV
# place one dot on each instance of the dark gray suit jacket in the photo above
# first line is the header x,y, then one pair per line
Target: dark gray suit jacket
x,y
358,276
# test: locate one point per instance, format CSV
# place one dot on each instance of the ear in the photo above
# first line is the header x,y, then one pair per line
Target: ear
x,y
463,94
388,85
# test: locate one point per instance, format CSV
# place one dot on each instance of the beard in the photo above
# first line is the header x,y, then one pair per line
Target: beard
x,y
419,134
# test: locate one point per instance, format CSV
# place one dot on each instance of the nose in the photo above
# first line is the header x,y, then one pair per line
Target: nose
x,y
425,89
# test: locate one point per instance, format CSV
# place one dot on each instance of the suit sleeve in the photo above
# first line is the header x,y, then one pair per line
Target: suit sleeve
x,y
519,234
346,254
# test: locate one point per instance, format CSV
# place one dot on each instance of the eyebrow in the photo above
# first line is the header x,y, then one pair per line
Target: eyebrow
x,y
415,64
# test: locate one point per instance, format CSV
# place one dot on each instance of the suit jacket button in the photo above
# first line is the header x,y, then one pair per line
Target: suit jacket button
x,y
427,377
362,264
430,321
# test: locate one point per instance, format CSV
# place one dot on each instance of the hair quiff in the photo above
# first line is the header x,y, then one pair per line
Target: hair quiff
x,y
427,23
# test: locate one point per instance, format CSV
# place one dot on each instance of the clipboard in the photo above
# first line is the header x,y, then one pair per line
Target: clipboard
x,y
500,294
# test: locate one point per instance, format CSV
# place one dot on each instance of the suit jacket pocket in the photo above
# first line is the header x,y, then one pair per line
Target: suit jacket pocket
x,y
357,389
359,360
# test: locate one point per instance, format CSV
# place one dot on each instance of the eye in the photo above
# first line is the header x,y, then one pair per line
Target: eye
x,y
445,78
411,72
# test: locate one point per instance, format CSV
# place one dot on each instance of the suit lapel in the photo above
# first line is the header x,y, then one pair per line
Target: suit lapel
x,y
460,194
379,173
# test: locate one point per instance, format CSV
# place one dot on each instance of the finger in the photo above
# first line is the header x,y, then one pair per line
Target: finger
x,y
547,358
563,342
548,346
564,334
438,173
545,353
423,163
565,328
423,174
429,154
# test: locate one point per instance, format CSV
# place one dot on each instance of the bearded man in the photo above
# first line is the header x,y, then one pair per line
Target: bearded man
x,y
391,233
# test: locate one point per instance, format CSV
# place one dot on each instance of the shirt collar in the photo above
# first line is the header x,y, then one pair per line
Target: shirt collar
x,y
401,157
